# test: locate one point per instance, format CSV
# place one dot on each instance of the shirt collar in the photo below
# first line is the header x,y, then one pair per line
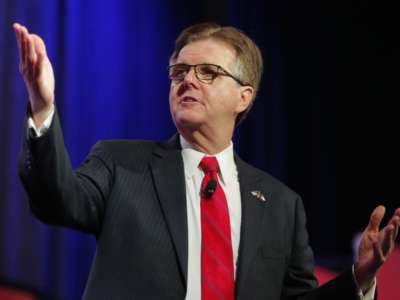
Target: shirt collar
x,y
192,158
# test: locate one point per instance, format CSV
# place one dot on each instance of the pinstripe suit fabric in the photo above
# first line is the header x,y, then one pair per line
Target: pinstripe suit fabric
x,y
131,196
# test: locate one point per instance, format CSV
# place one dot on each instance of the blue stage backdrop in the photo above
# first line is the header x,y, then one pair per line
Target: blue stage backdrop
x,y
110,60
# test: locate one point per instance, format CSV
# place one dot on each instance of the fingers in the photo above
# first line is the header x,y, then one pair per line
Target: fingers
x,y
396,224
26,48
18,36
32,52
380,243
29,52
388,240
376,218
397,214
40,48
21,41
379,257
384,245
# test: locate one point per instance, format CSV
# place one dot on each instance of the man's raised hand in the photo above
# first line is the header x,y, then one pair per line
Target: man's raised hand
x,y
375,246
37,71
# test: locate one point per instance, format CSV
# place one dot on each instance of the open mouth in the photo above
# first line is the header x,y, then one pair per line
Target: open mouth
x,y
188,99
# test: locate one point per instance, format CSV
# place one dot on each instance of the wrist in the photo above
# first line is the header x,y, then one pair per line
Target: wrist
x,y
364,278
40,113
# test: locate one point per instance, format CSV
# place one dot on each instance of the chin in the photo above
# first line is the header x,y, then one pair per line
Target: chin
x,y
187,121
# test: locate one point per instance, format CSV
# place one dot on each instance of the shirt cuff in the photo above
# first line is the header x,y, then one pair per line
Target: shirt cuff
x,y
370,293
46,124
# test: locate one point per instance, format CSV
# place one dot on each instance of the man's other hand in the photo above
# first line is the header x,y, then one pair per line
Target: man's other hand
x,y
37,71
375,246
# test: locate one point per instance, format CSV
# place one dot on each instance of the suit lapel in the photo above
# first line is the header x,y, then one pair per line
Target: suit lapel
x,y
168,174
252,218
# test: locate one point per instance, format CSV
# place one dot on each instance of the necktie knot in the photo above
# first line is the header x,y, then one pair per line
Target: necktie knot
x,y
209,164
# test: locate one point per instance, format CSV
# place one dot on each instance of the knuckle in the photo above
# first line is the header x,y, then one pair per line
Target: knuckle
x,y
31,60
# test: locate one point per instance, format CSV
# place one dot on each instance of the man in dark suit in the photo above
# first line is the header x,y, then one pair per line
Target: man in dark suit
x,y
184,219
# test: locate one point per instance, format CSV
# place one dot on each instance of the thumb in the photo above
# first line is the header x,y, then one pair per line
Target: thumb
x,y
376,218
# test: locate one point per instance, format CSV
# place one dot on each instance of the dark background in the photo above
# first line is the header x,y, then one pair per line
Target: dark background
x,y
324,121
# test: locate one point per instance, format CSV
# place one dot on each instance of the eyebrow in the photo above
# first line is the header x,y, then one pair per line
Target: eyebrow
x,y
202,63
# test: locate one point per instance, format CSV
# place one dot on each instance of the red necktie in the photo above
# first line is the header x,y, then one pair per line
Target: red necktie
x,y
217,280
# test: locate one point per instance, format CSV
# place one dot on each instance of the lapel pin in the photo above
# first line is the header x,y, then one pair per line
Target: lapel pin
x,y
259,195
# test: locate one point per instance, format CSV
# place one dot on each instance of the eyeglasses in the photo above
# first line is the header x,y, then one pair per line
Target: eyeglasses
x,y
205,73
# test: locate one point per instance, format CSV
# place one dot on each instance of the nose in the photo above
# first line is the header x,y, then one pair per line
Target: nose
x,y
190,76
190,81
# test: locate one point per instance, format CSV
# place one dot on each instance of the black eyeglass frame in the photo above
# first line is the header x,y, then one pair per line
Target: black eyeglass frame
x,y
220,72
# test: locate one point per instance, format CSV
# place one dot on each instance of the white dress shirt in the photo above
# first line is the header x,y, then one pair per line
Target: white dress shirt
x,y
228,178
46,124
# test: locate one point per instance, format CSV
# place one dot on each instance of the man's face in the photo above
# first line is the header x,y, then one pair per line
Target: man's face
x,y
194,104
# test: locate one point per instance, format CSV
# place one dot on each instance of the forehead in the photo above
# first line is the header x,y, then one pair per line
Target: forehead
x,y
207,51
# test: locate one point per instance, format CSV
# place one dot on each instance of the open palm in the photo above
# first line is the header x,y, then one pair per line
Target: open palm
x,y
375,245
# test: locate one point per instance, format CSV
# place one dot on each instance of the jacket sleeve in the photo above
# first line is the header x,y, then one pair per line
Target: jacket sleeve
x,y
57,194
300,282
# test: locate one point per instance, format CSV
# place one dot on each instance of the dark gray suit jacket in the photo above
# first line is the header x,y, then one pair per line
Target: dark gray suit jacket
x,y
131,196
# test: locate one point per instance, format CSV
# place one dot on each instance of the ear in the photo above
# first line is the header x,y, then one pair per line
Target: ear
x,y
246,96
